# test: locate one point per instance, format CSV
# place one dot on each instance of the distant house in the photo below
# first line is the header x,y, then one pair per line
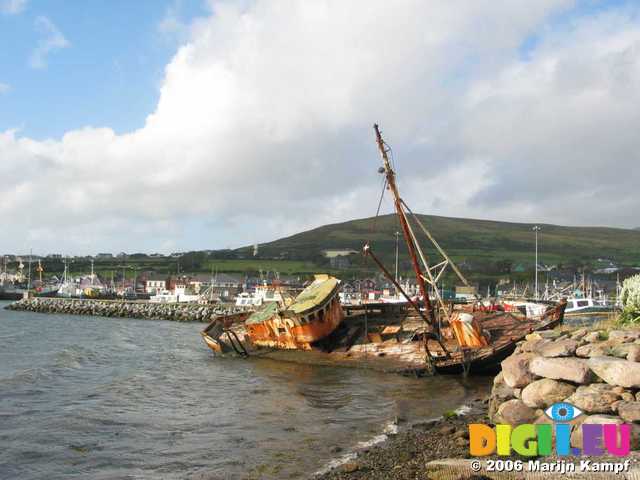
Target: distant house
x,y
348,287
180,288
54,256
199,282
155,284
364,285
343,252
177,285
226,286
226,280
104,256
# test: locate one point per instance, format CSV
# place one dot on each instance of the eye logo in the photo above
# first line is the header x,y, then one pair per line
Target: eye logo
x,y
563,412
537,439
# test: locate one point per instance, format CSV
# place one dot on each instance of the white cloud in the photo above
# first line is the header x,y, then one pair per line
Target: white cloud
x,y
4,88
12,7
558,128
51,39
263,127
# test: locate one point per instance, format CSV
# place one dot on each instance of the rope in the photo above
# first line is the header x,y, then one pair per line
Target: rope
x,y
375,219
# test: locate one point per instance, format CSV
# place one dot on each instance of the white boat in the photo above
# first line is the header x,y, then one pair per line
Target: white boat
x,y
587,305
263,294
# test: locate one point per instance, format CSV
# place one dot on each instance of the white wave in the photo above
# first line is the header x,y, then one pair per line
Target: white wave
x,y
336,462
462,410
391,428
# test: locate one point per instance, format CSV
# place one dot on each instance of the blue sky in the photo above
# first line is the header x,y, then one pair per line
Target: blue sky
x,y
109,74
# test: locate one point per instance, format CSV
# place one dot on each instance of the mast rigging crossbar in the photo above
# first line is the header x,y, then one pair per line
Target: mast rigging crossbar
x,y
424,229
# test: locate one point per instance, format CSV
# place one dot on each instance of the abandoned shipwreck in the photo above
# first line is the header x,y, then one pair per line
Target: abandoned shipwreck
x,y
423,334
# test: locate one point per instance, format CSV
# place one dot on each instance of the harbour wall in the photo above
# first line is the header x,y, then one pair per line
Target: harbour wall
x,y
178,312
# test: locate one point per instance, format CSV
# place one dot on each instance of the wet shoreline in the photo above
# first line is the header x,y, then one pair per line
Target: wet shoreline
x,y
404,456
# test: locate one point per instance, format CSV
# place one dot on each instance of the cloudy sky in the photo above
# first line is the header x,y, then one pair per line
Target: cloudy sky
x,y
168,125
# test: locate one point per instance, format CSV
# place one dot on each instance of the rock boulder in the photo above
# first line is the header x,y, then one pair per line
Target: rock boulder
x,y
633,355
616,371
594,398
571,369
624,335
629,411
514,412
516,370
560,348
545,392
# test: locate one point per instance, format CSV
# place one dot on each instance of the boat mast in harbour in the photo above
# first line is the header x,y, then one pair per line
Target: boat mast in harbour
x,y
29,274
432,273
404,224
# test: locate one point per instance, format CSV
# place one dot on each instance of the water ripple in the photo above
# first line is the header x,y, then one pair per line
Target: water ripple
x,y
113,399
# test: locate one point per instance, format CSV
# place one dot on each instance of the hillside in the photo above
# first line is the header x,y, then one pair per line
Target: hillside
x,y
474,241
485,249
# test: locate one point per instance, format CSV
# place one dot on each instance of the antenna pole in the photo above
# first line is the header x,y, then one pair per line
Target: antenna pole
x,y
536,229
29,276
391,181
397,239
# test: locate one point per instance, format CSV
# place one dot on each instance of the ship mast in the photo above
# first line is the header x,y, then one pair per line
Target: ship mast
x,y
408,237
39,269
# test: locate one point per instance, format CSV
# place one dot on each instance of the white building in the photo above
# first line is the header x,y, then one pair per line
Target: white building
x,y
155,285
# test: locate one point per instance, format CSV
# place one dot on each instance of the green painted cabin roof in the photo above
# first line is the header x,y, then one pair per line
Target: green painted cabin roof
x,y
312,296
266,312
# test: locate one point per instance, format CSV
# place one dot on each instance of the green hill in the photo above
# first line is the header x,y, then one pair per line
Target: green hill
x,y
476,242
486,250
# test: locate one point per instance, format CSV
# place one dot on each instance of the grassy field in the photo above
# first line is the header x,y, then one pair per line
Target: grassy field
x,y
287,267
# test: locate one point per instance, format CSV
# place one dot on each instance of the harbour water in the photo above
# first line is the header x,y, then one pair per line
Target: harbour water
x,y
107,398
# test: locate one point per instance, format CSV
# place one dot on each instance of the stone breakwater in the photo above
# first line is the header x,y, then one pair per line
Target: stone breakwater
x,y
179,312
598,371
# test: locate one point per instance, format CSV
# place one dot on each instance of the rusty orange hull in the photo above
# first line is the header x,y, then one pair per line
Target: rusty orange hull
x,y
296,332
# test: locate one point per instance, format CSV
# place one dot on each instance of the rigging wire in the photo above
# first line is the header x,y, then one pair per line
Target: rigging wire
x,y
375,219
